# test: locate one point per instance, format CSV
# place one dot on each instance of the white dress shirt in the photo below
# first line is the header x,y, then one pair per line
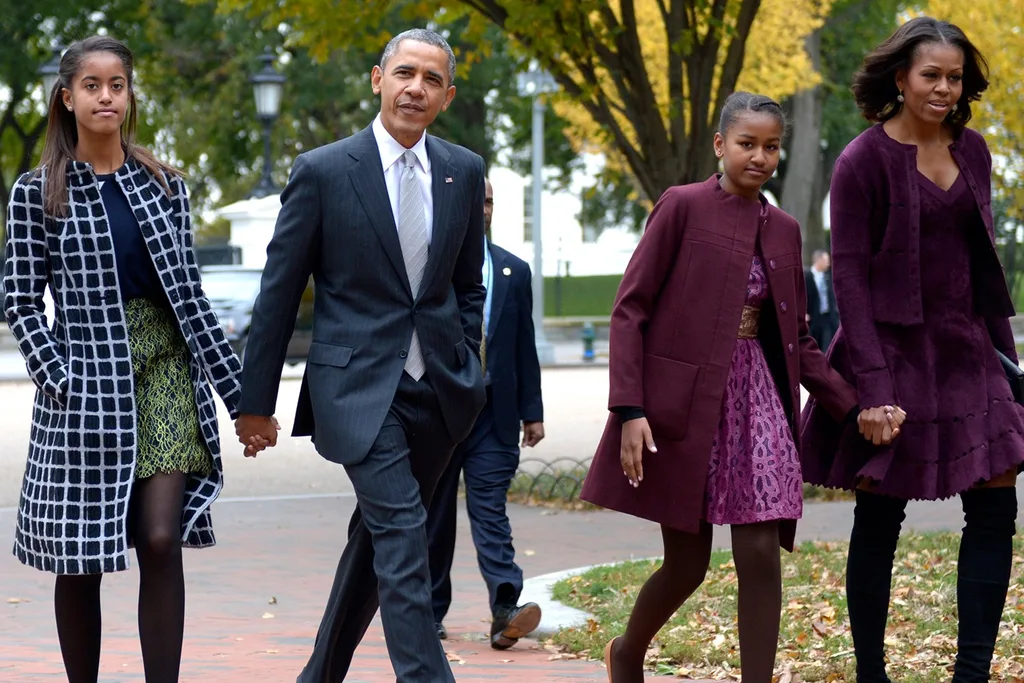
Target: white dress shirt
x,y
391,152
819,282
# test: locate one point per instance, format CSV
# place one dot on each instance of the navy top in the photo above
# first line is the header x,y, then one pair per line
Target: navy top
x,y
135,271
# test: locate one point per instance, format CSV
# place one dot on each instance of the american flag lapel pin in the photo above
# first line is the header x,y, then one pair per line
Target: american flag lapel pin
x,y
448,179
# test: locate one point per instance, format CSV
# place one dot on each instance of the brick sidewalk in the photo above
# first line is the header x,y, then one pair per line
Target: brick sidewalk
x,y
284,552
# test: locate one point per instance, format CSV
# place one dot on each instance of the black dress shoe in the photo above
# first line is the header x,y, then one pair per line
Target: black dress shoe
x,y
512,623
442,632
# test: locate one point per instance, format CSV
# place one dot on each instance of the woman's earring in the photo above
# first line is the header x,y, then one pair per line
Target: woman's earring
x,y
899,98
954,106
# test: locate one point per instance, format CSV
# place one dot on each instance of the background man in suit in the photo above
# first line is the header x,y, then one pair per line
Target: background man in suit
x,y
822,314
390,224
490,456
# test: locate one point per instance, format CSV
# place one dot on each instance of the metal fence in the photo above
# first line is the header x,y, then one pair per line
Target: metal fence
x,y
555,481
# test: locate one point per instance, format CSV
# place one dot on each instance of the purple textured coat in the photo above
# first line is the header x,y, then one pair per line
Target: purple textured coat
x,y
673,329
962,426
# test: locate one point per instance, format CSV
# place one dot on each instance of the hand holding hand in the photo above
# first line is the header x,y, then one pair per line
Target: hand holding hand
x,y
635,435
256,433
880,425
533,433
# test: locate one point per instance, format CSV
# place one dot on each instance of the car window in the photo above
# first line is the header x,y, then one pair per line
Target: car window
x,y
231,285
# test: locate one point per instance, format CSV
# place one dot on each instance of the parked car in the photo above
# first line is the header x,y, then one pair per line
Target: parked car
x,y
232,292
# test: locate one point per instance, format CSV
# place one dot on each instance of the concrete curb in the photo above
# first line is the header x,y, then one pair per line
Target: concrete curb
x,y
555,615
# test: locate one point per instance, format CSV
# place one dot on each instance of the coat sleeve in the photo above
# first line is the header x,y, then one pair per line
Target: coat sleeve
x,y
26,277
648,269
290,258
531,406
218,359
851,256
825,384
467,277
998,326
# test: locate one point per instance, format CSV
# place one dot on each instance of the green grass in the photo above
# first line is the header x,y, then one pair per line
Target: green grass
x,y
591,295
701,639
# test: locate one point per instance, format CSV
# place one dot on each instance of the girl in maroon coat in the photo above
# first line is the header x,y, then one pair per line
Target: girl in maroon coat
x,y
709,346
923,308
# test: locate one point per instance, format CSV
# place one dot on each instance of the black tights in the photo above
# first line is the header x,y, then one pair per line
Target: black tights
x,y
154,520
756,554
983,575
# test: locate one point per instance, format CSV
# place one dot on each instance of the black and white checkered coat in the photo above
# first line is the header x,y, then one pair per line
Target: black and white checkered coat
x,y
81,460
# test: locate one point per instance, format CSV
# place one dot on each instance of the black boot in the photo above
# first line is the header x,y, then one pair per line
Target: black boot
x,y
983,576
876,530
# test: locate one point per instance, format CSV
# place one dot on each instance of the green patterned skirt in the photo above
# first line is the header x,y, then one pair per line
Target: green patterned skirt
x,y
169,438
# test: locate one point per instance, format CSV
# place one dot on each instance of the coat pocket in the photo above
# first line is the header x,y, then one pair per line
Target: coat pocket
x,y
668,394
321,353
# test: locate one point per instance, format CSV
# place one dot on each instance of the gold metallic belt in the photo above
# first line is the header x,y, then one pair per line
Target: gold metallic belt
x,y
749,323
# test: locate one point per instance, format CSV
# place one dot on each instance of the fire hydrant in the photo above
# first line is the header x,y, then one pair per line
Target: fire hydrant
x,y
588,335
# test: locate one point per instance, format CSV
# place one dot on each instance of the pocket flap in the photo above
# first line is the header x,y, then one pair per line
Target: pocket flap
x,y
329,354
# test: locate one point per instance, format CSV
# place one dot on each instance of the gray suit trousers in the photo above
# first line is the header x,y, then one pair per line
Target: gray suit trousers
x,y
385,561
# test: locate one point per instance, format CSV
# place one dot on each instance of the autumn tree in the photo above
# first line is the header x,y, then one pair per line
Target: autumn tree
x,y
27,31
825,117
650,75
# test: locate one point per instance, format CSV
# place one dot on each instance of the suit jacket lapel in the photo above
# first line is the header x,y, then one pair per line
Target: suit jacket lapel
x,y
368,178
499,286
442,186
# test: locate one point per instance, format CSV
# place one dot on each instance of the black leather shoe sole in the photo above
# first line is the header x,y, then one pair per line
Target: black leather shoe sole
x,y
521,623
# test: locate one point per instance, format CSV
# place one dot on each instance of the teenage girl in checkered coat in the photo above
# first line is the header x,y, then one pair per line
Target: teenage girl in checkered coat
x,y
124,447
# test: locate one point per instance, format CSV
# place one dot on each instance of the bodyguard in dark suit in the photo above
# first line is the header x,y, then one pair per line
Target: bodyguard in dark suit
x,y
822,313
489,458
390,224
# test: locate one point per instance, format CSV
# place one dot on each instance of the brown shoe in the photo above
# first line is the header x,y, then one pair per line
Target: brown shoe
x,y
608,657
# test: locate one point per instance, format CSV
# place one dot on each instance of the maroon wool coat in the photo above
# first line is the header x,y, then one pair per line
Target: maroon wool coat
x,y
673,330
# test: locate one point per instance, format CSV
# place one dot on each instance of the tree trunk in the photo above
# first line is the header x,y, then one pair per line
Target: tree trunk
x,y
801,191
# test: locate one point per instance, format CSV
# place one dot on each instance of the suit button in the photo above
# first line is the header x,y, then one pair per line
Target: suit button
x,y
416,310
403,353
771,264
784,306
790,347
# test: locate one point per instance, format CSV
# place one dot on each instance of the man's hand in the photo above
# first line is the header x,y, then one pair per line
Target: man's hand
x,y
533,433
256,433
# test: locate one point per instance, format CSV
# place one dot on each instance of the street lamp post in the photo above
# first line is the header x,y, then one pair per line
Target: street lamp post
x,y
267,86
50,71
535,83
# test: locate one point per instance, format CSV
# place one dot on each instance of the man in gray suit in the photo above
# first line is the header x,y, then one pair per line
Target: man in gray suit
x,y
389,222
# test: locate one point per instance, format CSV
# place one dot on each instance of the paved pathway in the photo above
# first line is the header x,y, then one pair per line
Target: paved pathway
x,y
255,600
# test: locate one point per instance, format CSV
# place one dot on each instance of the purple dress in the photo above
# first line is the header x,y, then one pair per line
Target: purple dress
x,y
963,426
754,471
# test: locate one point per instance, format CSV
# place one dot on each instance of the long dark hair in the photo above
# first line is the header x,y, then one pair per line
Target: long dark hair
x,y
62,129
874,85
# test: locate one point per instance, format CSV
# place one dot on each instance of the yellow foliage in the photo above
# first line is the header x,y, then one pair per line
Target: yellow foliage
x,y
775,63
996,27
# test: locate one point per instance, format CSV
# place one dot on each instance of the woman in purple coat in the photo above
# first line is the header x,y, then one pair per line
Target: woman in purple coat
x,y
923,308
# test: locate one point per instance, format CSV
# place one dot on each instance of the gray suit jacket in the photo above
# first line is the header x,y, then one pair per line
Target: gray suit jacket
x,y
336,224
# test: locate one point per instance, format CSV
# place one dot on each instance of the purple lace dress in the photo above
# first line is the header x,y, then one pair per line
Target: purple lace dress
x,y
754,471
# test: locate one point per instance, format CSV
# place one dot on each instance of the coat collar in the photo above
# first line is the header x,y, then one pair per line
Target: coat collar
x,y
499,285
368,177
81,174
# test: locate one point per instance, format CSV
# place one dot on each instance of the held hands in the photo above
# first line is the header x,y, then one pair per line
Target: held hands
x,y
880,425
635,435
533,433
256,433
